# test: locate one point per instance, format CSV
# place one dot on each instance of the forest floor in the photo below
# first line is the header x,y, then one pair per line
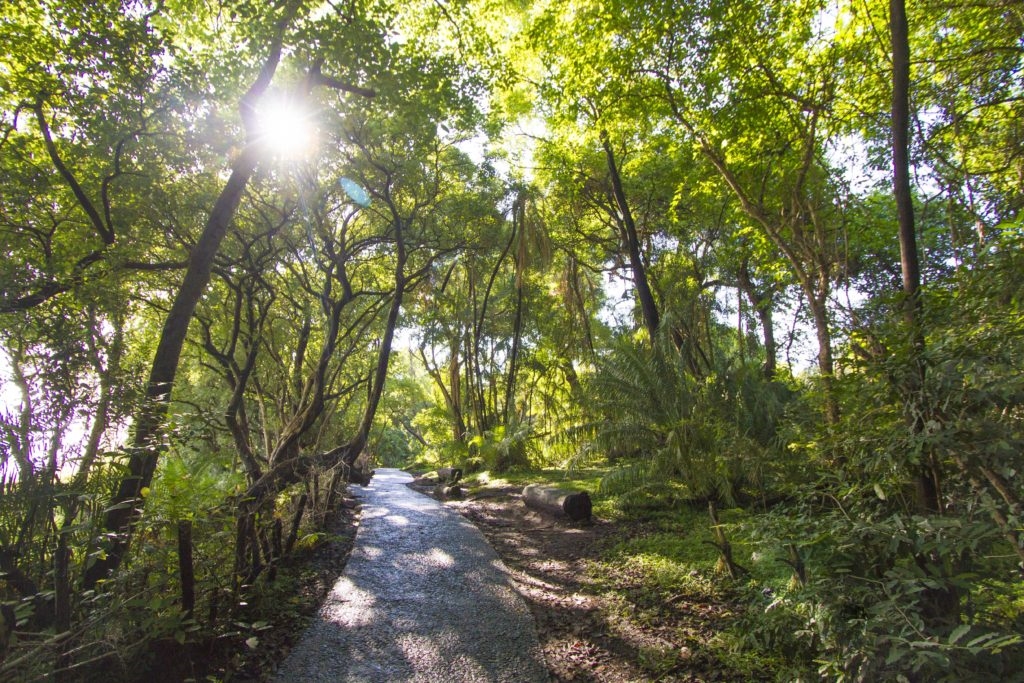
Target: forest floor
x,y
596,622
289,605
588,630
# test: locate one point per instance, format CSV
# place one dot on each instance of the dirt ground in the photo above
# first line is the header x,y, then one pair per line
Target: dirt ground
x,y
289,610
587,633
548,560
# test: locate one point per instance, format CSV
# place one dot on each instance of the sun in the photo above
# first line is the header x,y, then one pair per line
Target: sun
x,y
285,128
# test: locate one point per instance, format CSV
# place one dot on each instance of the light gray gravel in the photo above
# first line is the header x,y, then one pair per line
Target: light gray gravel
x,y
423,598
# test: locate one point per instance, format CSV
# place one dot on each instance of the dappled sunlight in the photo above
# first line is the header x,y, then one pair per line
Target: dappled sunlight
x,y
370,552
422,592
440,559
446,652
343,595
377,512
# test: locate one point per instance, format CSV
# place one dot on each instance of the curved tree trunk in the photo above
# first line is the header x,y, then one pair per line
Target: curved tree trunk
x,y
643,288
289,470
125,505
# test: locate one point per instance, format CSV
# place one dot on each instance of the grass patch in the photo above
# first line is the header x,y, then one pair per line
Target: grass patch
x,y
665,572
662,575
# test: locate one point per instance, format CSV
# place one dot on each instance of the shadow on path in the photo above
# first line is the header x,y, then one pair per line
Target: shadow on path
x,y
423,598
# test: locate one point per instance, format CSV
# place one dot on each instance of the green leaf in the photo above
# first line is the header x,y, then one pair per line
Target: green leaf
x,y
958,633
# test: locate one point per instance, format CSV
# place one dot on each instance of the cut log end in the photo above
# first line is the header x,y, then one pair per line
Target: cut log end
x,y
445,492
575,505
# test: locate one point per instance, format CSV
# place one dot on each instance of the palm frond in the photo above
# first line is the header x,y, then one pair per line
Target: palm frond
x,y
666,425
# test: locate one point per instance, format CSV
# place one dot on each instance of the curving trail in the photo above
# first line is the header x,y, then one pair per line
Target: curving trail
x,y
423,598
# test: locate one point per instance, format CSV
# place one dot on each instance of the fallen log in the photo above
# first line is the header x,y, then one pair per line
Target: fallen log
x,y
449,475
444,492
575,505
426,481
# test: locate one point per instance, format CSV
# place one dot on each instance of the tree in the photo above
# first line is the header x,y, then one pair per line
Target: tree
x,y
125,503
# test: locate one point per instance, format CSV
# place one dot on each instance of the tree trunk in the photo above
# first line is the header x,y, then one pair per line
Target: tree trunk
x,y
384,353
800,253
455,397
288,470
901,166
278,538
446,492
449,475
452,396
186,568
300,357
927,477
62,604
940,603
625,218
826,364
762,303
125,506
725,560
235,416
513,360
293,532
471,361
241,548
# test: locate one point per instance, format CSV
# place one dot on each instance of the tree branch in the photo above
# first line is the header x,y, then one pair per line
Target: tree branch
x,y
318,78
105,232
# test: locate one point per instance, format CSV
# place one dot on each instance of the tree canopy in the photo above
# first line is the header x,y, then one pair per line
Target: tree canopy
x,y
740,251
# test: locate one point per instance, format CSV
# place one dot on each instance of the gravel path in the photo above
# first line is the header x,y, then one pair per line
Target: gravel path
x,y
423,598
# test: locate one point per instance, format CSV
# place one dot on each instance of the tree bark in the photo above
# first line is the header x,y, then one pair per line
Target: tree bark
x,y
513,360
575,505
455,397
826,364
901,162
288,470
384,353
452,397
293,531
927,478
643,289
803,254
62,603
186,567
125,505
449,475
762,303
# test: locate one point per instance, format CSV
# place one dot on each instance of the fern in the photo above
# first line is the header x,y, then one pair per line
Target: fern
x,y
666,425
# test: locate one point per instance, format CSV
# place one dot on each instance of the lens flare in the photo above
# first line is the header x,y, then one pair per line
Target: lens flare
x,y
286,128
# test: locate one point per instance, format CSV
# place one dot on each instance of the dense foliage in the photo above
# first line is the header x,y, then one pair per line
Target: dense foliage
x,y
671,238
